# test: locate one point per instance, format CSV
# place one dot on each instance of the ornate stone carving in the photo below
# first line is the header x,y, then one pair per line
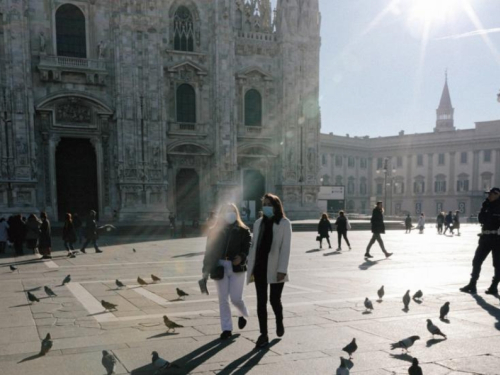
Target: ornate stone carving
x,y
73,111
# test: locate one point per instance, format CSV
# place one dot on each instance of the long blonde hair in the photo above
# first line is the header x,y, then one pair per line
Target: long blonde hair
x,y
223,210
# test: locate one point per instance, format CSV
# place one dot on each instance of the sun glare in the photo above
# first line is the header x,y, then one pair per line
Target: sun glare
x,y
432,11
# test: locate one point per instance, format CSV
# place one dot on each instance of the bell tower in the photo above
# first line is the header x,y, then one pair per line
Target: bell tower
x,y
444,120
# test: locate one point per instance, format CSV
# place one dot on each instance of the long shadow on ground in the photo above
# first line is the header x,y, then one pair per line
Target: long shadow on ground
x,y
490,309
246,362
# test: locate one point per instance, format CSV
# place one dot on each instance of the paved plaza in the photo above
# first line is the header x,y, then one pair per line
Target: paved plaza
x,y
323,306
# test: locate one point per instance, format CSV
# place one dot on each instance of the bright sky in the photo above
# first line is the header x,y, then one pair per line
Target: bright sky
x,y
383,64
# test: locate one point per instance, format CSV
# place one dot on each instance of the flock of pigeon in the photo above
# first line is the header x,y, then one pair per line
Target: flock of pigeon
x,y
405,344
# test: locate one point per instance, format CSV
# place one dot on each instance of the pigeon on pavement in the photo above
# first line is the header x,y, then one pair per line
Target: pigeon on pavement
x,y
108,305
181,293
141,281
46,344
135,251
444,310
368,304
170,324
12,268
66,280
32,298
418,295
343,369
155,278
49,291
350,348
434,330
109,362
381,293
405,344
415,369
406,300
160,363
119,284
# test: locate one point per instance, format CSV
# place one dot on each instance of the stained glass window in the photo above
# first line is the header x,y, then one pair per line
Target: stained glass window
x,y
183,30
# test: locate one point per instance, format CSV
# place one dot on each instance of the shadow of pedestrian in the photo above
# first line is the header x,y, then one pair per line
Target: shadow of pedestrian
x,y
403,357
332,253
247,361
490,309
30,358
367,264
188,255
432,342
163,335
312,251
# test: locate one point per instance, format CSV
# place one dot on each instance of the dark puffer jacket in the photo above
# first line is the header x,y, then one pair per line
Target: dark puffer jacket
x,y
227,243
489,217
377,221
324,227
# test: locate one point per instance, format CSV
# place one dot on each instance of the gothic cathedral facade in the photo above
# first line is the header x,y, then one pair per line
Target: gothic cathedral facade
x,y
142,108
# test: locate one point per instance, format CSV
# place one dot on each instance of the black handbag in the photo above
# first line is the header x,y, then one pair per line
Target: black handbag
x,y
318,238
217,273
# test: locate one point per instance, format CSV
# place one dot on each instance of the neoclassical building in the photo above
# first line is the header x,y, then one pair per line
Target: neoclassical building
x,y
139,108
447,169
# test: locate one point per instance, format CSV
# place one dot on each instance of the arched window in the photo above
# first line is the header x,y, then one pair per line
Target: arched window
x,y
70,32
253,108
186,103
183,30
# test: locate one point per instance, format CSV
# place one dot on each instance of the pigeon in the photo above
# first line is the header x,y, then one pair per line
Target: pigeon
x,y
343,369
66,280
381,293
109,362
141,281
406,300
155,278
160,363
12,268
134,250
368,304
181,293
351,348
49,291
32,297
444,310
415,369
418,295
170,325
434,329
119,284
405,344
108,305
46,344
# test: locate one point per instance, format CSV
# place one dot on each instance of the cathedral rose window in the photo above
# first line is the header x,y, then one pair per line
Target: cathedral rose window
x,y
183,30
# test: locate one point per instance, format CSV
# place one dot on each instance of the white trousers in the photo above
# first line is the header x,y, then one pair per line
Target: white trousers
x,y
230,286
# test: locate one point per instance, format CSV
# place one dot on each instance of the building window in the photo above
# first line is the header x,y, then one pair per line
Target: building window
x,y
350,162
461,207
418,208
362,163
70,32
419,186
183,30
186,103
379,188
325,180
253,108
350,186
487,156
338,181
462,183
463,158
380,163
420,160
399,187
399,161
441,159
323,159
486,180
439,207
362,186
440,184
338,160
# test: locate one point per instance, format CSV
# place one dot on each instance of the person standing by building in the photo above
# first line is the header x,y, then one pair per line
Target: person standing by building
x,y
440,222
421,223
17,233
228,244
268,263
324,227
456,222
489,240
78,225
4,234
45,240
408,223
33,232
91,234
69,235
378,228
448,223
342,224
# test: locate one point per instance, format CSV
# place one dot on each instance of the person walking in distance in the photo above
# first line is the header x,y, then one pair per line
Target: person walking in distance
x,y
268,263
440,222
228,244
324,226
91,234
456,222
78,225
378,228
4,234
69,234
448,223
408,223
489,241
45,240
33,232
421,223
17,233
342,224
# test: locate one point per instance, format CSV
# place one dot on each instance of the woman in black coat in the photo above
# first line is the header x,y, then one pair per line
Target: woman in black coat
x,y
69,235
342,226
378,228
225,261
45,239
324,226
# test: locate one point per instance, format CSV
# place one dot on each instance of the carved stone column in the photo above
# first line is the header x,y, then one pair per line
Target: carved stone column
x,y
475,171
96,142
51,181
430,178
451,186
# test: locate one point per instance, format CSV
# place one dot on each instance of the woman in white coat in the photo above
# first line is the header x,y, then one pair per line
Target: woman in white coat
x,y
268,263
421,223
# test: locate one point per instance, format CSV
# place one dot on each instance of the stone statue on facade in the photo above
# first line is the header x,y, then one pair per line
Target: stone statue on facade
x,y
43,43
101,49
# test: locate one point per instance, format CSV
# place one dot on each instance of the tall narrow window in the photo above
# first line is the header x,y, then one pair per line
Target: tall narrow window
x,y
70,31
253,108
186,104
183,30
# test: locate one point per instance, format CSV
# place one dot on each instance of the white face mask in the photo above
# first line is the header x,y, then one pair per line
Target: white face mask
x,y
230,217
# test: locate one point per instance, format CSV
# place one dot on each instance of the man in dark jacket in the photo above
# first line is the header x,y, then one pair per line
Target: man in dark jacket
x,y
17,233
440,222
378,228
489,240
448,222
91,233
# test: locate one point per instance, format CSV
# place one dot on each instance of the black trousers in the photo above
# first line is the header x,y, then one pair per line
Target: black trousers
x,y
68,245
341,234
450,227
440,228
378,238
89,240
261,285
18,247
487,243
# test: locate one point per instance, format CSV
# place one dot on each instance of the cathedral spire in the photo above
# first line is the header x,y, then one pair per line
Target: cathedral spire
x,y
444,121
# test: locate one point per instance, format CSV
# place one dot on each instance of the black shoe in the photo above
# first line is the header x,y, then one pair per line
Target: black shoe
x,y
387,255
225,335
262,341
98,251
492,291
368,255
83,251
280,329
469,288
242,322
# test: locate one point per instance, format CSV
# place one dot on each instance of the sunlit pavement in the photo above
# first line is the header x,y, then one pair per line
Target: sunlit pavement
x,y
323,310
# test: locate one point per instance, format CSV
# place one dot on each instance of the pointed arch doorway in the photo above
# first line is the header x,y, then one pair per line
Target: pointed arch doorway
x,y
254,188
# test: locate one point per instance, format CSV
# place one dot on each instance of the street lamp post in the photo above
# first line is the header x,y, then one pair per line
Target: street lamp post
x,y
386,173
